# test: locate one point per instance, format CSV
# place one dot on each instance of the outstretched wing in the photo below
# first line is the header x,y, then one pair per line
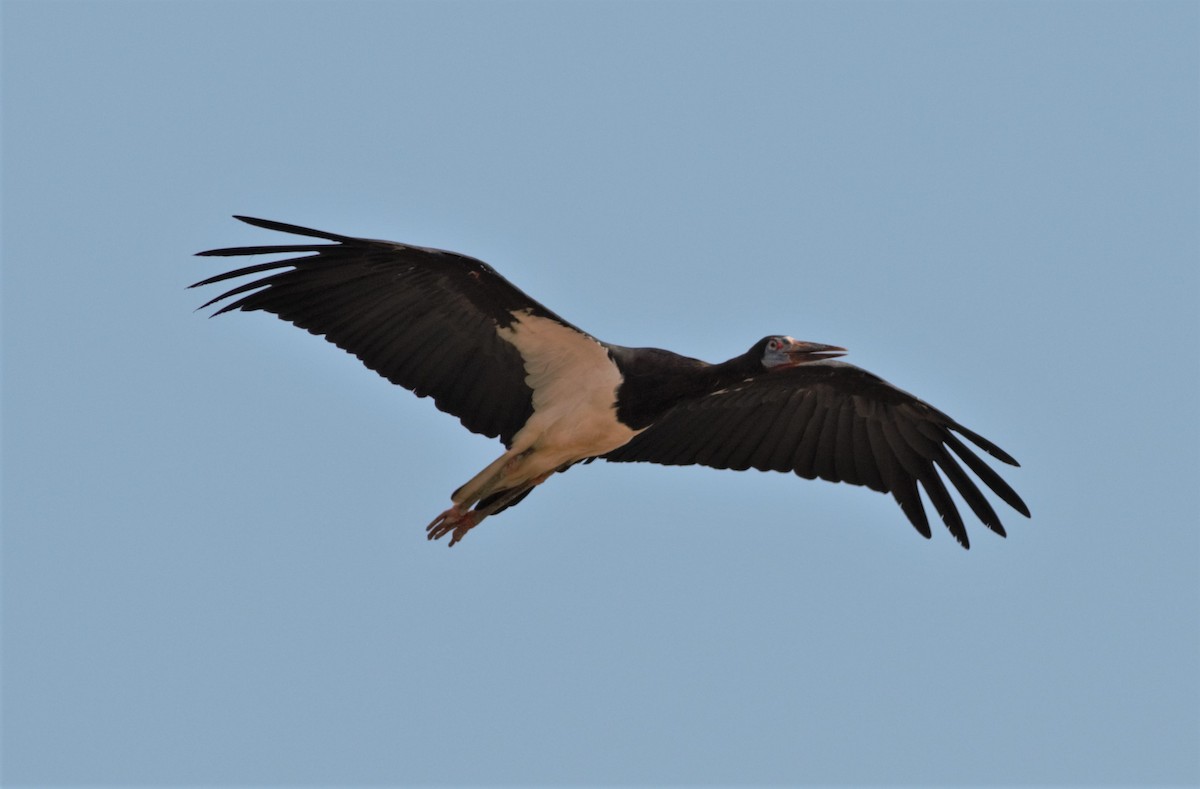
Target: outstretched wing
x,y
836,422
424,319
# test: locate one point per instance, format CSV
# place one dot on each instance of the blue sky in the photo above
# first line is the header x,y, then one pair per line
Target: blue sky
x,y
214,565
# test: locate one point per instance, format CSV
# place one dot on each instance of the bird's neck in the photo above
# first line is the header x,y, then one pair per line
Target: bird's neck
x,y
653,383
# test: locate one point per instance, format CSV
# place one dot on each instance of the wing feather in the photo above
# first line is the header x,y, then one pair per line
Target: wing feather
x,y
845,461
755,433
721,440
902,485
424,319
806,447
824,464
864,455
988,475
837,422
796,419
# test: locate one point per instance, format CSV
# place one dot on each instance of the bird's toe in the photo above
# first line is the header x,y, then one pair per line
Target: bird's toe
x,y
454,521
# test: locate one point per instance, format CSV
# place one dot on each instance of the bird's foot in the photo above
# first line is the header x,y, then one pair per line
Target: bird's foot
x,y
454,521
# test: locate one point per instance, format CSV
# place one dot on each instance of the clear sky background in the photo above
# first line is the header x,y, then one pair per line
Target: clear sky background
x,y
214,563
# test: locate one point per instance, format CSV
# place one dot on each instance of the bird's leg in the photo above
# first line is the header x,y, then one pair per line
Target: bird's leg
x,y
507,497
460,520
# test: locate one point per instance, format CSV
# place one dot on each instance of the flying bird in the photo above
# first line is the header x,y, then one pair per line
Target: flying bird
x,y
447,326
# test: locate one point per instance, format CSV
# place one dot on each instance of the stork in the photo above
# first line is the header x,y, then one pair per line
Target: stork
x,y
447,326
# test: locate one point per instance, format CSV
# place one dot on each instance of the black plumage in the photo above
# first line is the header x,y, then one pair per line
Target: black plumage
x,y
833,421
422,318
449,327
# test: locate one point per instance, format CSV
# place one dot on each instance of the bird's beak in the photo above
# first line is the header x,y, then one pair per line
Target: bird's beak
x,y
801,352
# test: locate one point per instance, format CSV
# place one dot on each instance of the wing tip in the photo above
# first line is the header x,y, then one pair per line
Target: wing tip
x,y
286,227
984,444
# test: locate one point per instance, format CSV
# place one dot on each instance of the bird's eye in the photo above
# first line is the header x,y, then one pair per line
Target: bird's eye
x,y
773,345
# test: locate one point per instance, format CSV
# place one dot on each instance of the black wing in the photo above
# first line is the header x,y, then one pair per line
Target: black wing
x,y
424,319
836,422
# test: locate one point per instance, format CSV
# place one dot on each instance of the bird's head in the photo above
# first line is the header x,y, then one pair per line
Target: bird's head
x,y
779,352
